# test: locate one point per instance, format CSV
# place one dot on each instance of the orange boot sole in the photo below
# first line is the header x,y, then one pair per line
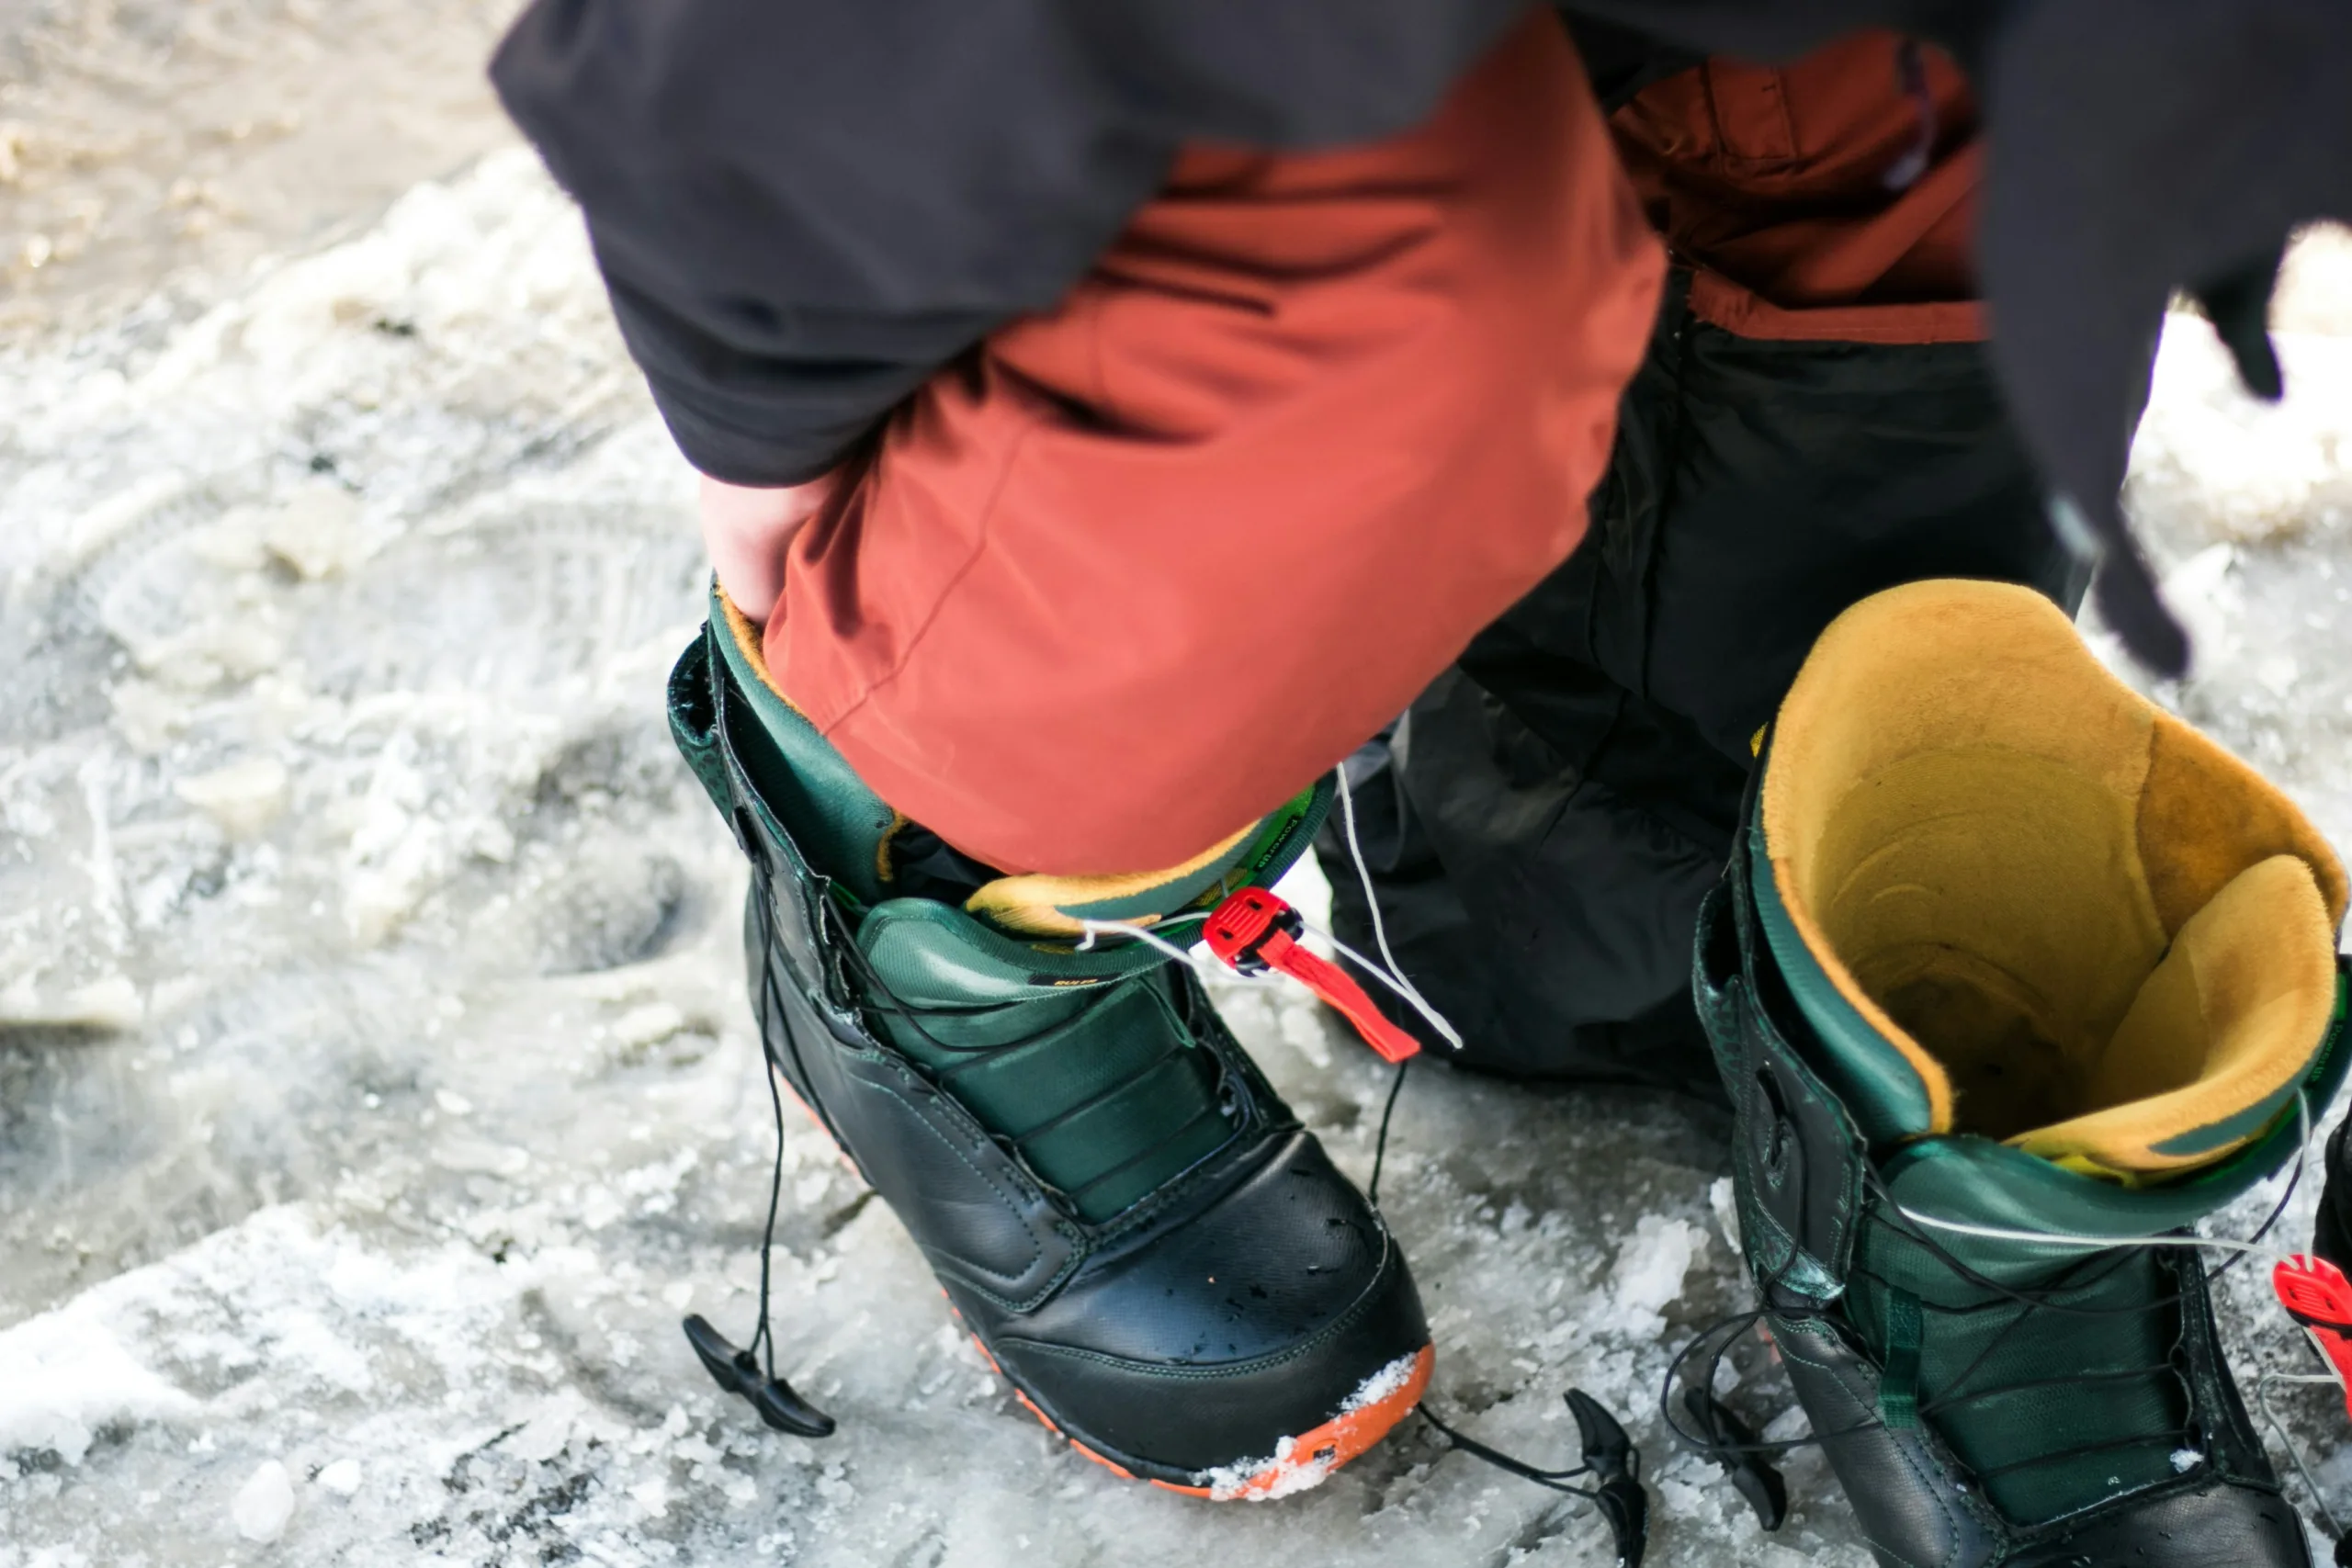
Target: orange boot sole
x,y
1296,1464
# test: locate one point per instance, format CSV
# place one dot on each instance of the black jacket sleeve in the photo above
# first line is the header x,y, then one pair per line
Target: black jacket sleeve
x,y
802,207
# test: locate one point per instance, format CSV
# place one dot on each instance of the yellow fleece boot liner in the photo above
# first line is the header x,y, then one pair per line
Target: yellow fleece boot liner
x,y
2079,925
1036,904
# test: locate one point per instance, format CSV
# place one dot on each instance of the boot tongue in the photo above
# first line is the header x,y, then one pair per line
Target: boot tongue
x,y
1891,1093
2220,1037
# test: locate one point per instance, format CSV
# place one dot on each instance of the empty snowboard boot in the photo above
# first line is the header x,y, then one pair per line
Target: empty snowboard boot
x,y
1137,1231
2005,951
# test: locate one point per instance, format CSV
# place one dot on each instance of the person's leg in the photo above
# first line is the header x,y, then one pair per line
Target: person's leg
x,y
1151,560
1116,596
1547,818
2005,969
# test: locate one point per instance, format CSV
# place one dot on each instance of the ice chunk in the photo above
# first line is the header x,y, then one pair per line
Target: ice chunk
x,y
1652,1262
647,1025
245,797
317,532
265,1503
342,1478
1723,1199
110,1003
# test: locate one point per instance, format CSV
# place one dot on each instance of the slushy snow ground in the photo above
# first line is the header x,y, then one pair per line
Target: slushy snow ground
x,y
376,1092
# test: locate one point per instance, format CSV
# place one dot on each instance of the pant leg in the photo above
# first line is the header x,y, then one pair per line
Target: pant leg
x,y
1545,818
1549,814
1145,564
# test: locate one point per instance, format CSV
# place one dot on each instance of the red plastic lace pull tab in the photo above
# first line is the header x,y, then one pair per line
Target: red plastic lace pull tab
x,y
2316,1294
1256,930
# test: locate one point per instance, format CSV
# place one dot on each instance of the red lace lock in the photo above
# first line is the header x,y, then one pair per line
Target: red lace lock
x,y
2316,1294
1255,929
1241,927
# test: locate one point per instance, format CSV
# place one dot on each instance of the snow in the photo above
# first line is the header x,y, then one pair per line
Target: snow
x,y
376,1084
1380,1385
1279,1475
65,1379
1229,1482
1652,1262
263,1504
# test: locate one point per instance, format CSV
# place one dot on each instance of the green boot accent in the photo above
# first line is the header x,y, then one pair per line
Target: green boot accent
x,y
2005,947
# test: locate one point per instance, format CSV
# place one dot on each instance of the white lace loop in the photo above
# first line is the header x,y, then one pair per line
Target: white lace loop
x,y
2104,1243
1387,973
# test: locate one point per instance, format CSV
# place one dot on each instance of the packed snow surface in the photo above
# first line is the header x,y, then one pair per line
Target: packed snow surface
x,y
376,1092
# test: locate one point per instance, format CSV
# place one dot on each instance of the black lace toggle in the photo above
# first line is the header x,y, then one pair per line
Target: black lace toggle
x,y
1730,1443
738,1371
1609,1458
1613,1460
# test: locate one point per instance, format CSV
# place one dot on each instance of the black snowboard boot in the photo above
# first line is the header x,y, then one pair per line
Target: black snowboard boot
x,y
1137,1231
2014,979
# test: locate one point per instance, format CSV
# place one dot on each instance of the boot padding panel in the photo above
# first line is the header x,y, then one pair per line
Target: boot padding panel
x,y
2088,929
850,830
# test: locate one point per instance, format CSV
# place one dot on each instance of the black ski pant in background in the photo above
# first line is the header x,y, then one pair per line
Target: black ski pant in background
x,y
1542,823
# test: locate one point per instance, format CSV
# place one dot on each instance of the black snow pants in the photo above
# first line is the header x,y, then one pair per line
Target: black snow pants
x,y
1540,824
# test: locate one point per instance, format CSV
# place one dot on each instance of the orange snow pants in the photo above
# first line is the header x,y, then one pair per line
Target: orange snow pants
x,y
1137,570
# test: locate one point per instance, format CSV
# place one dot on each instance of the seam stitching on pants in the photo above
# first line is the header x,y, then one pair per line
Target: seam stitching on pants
x,y
938,604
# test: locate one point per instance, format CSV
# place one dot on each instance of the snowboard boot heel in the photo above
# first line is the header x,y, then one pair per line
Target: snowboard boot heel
x,y
1135,1229
2013,978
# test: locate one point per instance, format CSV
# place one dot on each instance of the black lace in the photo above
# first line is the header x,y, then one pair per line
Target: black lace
x,y
2072,1279
1611,1459
1554,1480
750,1370
1380,1147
